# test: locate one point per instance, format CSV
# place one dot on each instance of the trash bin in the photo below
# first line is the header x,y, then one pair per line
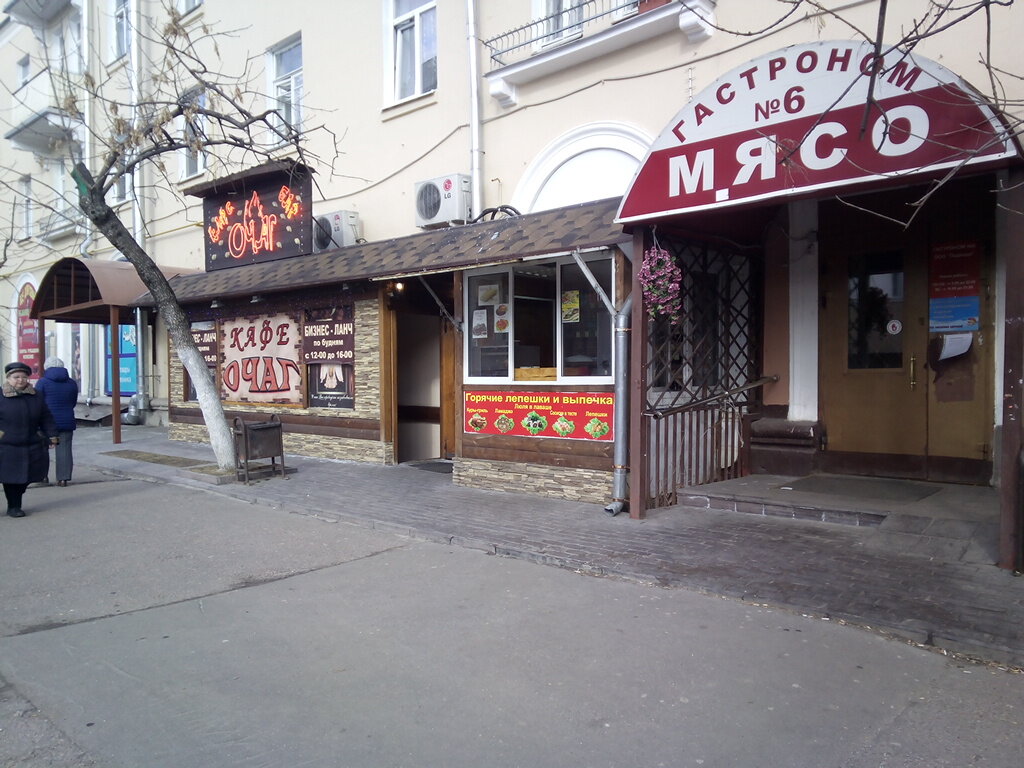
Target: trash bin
x,y
258,440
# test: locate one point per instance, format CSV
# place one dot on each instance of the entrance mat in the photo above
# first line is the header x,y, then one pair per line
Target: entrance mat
x,y
157,458
864,487
435,465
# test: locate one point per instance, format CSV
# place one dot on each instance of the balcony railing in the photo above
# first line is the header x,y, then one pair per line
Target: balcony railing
x,y
575,21
39,111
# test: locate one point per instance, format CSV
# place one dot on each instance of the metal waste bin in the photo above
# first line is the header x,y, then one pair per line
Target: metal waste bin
x,y
258,440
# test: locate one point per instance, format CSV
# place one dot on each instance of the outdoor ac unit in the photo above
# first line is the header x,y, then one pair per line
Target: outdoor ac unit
x,y
443,201
336,230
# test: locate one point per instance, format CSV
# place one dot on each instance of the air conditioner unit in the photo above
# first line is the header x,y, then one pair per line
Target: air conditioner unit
x,y
443,201
336,230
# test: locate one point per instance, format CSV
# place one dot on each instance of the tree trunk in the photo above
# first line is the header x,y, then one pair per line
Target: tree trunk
x,y
96,209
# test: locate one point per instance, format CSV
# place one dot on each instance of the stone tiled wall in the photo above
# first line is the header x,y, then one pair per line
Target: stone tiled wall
x,y
367,402
585,485
318,446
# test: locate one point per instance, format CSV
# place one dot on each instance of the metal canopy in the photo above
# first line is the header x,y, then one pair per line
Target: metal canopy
x,y
81,291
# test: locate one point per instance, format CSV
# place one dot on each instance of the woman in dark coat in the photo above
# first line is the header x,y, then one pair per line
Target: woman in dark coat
x,y
24,420
61,394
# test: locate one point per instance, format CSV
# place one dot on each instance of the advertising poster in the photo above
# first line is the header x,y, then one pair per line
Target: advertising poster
x,y
328,350
566,415
261,360
954,287
28,331
128,362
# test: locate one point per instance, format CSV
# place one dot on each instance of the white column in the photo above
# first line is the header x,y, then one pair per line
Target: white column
x,y
803,311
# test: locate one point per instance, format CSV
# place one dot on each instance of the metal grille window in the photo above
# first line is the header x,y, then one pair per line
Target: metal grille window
x,y
414,48
713,346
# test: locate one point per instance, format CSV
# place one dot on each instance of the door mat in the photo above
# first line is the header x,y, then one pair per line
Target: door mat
x,y
157,458
436,465
864,487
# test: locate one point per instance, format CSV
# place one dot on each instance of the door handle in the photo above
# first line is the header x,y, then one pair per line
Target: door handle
x,y
913,372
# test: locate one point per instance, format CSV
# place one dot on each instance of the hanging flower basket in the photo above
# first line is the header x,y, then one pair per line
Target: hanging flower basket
x,y
661,279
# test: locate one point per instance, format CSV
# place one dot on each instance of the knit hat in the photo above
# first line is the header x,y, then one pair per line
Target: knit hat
x,y
16,366
53,362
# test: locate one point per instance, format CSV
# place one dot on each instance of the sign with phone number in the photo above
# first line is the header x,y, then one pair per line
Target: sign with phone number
x,y
566,415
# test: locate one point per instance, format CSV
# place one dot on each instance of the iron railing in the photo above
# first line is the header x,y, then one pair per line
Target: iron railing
x,y
572,22
705,441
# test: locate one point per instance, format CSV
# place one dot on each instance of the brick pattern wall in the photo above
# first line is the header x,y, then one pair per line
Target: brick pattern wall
x,y
367,402
584,485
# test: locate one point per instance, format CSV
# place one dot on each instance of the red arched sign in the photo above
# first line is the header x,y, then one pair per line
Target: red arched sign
x,y
794,121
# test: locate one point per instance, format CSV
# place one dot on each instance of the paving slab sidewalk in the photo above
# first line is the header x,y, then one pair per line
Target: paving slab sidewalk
x,y
865,576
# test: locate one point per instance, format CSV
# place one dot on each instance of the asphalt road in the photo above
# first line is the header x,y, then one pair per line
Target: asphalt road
x,y
145,625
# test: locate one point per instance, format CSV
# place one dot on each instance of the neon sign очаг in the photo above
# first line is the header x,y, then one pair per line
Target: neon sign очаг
x,y
262,223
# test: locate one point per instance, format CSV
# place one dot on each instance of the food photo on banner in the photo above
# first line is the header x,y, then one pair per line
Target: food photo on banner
x,y
565,415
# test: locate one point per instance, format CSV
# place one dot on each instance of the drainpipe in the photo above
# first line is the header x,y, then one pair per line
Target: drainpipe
x,y
139,227
620,489
475,150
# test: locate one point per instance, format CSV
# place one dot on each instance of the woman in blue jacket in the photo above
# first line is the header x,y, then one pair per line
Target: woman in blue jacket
x,y
61,394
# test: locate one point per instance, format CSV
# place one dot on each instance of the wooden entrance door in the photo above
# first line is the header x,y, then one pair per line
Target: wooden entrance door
x,y
891,403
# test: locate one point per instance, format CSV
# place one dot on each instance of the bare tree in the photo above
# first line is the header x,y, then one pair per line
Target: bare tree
x,y
175,99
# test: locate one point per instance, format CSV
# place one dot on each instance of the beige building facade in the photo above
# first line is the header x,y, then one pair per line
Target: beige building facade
x,y
468,159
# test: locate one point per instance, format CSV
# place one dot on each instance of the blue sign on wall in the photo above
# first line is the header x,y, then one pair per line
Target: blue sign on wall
x,y
129,362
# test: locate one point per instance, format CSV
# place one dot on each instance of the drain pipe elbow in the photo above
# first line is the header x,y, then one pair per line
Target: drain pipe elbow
x,y
615,507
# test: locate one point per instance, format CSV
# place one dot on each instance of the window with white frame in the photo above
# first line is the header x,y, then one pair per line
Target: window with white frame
x,y
193,156
121,187
413,47
122,29
23,214
539,321
564,19
286,89
24,68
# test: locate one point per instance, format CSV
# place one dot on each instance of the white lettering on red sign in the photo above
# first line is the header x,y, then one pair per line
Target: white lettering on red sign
x,y
794,120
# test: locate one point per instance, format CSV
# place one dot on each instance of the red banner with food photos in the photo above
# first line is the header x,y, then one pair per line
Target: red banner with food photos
x,y
567,415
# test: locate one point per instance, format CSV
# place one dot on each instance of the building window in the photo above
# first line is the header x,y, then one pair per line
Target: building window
x,y
287,84
539,321
414,47
187,6
563,19
122,185
23,214
194,157
122,29
23,71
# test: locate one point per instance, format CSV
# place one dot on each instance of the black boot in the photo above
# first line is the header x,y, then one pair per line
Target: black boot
x,y
15,512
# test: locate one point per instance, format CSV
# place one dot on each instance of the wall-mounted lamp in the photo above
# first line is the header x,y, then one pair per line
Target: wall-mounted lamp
x,y
215,304
393,289
256,299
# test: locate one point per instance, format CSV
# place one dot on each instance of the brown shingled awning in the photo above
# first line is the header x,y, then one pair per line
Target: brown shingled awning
x,y
87,291
587,225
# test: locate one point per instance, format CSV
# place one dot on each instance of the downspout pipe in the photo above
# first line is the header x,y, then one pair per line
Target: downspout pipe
x,y
475,149
620,484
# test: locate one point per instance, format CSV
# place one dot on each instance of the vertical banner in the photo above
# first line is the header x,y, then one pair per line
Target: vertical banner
x,y
28,331
128,371
954,287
